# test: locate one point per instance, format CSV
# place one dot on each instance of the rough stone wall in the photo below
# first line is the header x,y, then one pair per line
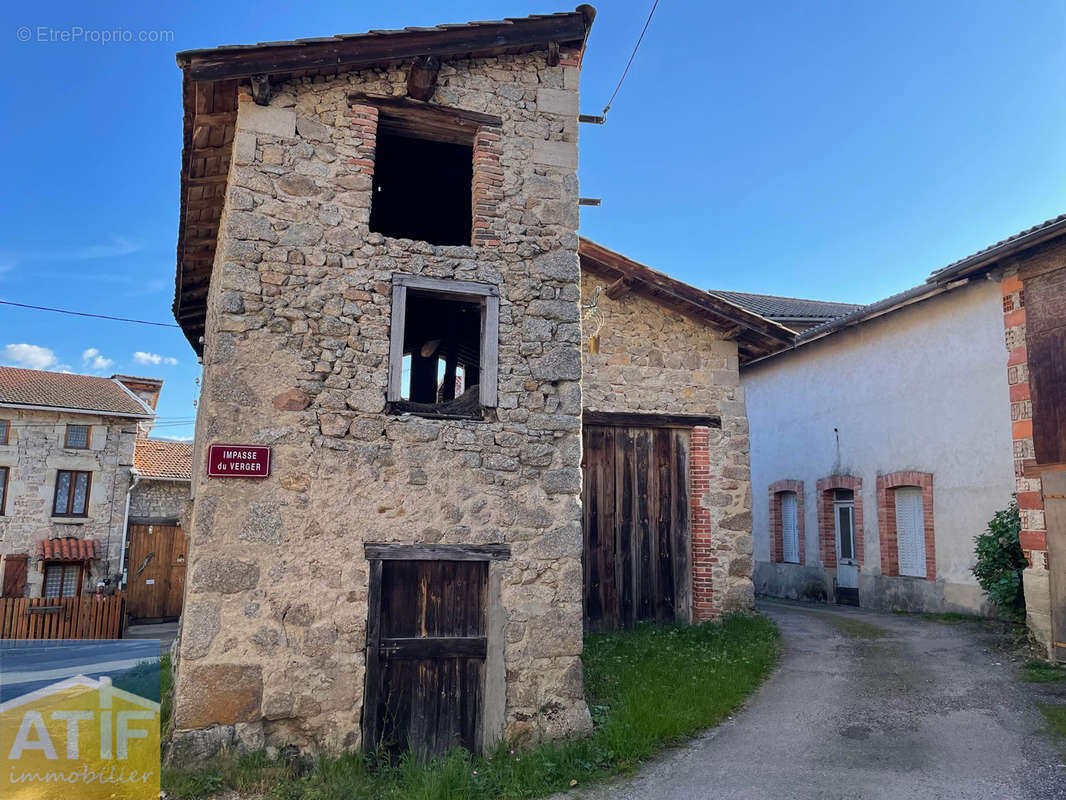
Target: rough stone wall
x,y
296,357
34,453
159,499
653,359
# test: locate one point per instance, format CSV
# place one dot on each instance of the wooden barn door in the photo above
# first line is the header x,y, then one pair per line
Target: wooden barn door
x,y
156,572
636,524
426,649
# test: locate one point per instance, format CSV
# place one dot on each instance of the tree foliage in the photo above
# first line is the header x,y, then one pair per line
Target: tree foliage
x,y
1000,562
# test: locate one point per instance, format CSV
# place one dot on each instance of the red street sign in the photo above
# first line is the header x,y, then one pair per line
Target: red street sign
x,y
238,461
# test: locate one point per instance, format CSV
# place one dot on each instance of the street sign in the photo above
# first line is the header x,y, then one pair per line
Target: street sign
x,y
238,461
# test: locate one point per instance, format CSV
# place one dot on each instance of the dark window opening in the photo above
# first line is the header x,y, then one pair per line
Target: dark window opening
x,y
441,354
422,190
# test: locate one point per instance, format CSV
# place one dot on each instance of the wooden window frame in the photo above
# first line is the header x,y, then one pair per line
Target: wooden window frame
x,y
3,490
62,580
777,541
88,436
6,438
886,521
70,495
487,295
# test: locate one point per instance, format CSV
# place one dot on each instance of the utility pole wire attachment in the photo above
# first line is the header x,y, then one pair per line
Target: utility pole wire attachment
x,y
632,55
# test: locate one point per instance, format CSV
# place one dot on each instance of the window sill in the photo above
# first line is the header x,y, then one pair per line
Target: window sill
x,y
401,407
69,520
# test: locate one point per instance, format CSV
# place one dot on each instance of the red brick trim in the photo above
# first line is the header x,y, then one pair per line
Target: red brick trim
x,y
701,526
364,123
886,519
827,541
777,541
487,193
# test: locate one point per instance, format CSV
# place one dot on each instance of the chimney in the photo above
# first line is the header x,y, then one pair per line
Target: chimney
x,y
147,389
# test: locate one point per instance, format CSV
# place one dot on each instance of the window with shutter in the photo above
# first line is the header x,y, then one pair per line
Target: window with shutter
x,y
789,528
910,531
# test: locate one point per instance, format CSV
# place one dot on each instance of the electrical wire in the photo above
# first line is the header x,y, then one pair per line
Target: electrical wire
x,y
86,314
632,55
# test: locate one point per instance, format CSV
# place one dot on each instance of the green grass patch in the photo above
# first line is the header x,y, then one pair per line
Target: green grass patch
x,y
646,688
1056,718
1043,672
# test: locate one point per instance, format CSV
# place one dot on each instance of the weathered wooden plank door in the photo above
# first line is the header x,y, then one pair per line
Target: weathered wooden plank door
x,y
156,571
1054,487
636,525
426,647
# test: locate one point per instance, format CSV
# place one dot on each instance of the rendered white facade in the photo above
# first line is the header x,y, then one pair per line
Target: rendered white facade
x,y
920,388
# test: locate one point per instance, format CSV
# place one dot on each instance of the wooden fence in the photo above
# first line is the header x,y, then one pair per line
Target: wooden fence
x,y
87,617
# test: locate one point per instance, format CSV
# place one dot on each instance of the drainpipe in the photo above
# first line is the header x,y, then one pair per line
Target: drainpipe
x,y
136,477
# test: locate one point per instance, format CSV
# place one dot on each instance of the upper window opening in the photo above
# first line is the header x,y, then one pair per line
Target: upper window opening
x,y
444,343
77,437
5,428
72,493
422,188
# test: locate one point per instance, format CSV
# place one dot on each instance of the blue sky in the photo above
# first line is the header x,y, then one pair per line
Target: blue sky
x,y
832,150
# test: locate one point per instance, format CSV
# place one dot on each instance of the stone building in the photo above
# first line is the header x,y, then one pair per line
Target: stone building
x,y
378,261
66,451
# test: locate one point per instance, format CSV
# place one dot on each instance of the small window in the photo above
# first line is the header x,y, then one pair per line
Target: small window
x,y
422,187
443,350
4,472
910,531
5,430
62,579
789,528
78,437
72,493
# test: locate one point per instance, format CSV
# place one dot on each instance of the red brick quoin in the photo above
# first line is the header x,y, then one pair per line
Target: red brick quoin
x,y
827,541
777,541
704,557
886,519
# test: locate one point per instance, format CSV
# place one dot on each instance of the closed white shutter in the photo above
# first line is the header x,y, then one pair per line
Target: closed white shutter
x,y
789,528
910,531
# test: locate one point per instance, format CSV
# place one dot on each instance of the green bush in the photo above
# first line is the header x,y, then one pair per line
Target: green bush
x,y
1000,562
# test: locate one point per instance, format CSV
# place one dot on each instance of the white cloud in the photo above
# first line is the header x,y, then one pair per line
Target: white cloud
x,y
30,356
153,358
93,358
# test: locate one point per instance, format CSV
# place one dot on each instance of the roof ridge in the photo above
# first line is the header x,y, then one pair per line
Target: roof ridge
x,y
784,297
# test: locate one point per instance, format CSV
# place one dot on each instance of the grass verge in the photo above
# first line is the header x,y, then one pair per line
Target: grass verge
x,y
1043,672
1056,718
647,688
945,618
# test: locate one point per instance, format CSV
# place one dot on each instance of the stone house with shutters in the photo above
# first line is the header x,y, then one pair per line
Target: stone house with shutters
x,y
378,262
66,459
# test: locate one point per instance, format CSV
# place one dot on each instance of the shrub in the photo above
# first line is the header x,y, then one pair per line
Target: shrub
x,y
1000,562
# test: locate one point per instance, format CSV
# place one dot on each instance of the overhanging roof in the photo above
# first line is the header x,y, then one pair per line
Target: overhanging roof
x,y
209,88
756,336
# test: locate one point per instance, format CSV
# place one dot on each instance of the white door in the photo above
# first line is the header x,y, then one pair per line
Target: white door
x,y
847,558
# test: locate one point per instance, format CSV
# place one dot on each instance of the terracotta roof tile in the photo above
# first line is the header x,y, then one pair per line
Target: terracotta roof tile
x,y
156,458
68,549
34,387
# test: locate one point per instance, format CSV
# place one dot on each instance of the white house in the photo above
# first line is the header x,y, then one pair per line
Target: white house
x,y
880,447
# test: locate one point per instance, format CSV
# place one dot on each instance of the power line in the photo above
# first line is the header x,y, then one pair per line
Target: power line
x,y
632,55
86,314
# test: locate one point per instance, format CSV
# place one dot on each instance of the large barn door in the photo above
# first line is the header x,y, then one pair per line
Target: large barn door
x,y
636,523
426,648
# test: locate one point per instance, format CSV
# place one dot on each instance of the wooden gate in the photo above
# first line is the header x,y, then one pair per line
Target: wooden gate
x,y
636,523
426,648
155,584
89,616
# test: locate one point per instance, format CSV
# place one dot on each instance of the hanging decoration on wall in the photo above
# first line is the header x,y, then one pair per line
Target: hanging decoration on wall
x,y
592,320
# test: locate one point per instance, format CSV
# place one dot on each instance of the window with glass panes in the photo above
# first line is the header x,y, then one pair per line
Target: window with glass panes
x,y
77,437
72,493
5,430
62,580
4,471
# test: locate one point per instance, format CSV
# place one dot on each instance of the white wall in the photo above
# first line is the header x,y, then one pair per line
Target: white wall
x,y
923,388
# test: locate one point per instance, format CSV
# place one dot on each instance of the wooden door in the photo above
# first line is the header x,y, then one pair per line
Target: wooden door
x,y
1054,486
636,525
155,571
14,583
426,647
